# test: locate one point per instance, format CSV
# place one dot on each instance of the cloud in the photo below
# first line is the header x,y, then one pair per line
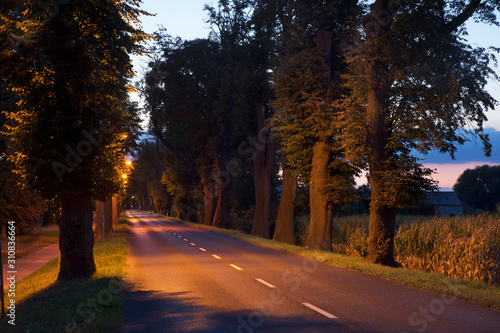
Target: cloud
x,y
470,151
468,156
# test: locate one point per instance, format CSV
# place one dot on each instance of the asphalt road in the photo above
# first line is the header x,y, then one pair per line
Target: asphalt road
x,y
184,279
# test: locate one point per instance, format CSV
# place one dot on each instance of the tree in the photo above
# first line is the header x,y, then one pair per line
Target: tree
x,y
479,188
307,85
68,135
231,29
263,159
180,91
414,84
205,107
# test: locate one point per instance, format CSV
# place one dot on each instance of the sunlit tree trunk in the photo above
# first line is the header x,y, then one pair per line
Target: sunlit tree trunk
x,y
284,231
116,211
382,216
108,218
321,224
76,238
263,163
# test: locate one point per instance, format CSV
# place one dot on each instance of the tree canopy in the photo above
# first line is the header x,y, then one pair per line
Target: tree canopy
x,y
70,67
479,188
413,86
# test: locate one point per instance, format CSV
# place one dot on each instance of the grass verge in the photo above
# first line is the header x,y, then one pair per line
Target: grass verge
x,y
472,291
93,305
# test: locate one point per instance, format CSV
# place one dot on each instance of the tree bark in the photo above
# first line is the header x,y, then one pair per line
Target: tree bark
x,y
116,213
263,163
99,218
222,212
192,210
284,231
188,210
76,238
321,224
208,200
108,218
382,216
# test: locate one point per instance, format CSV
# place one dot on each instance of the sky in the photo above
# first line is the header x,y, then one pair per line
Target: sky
x,y
186,20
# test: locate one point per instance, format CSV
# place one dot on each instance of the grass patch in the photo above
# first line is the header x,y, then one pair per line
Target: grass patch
x,y
93,305
473,291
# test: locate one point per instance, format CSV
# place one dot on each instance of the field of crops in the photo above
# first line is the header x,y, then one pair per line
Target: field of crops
x,y
465,247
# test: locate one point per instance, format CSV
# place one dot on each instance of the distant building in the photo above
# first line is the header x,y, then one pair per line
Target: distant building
x,y
446,203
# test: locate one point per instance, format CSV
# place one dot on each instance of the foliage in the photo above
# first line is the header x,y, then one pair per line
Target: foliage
x,y
479,188
67,135
426,63
145,180
200,96
414,83
306,82
16,203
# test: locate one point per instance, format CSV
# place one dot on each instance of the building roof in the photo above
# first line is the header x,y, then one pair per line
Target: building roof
x,y
444,198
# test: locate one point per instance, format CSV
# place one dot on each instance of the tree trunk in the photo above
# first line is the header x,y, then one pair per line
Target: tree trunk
x,y
108,218
99,219
192,210
178,213
222,212
382,216
115,210
208,200
321,224
76,238
263,165
284,231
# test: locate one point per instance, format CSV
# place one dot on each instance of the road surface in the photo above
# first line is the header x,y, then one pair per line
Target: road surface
x,y
184,279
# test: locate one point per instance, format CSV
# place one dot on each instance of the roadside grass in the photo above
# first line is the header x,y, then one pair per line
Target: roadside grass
x,y
27,244
97,304
473,291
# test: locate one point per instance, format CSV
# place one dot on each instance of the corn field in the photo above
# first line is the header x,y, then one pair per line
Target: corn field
x,y
462,247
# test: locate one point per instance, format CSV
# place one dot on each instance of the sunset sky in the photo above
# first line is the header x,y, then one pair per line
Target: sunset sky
x,y
186,20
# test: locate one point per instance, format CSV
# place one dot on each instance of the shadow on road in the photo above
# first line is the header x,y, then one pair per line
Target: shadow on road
x,y
152,312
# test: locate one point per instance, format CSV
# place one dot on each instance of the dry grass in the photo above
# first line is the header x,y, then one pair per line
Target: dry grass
x,y
460,247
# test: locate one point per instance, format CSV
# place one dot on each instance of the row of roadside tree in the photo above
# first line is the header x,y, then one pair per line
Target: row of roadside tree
x,y
319,92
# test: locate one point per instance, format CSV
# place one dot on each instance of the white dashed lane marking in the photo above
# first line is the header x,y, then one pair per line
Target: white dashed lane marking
x,y
266,283
310,306
323,312
236,267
